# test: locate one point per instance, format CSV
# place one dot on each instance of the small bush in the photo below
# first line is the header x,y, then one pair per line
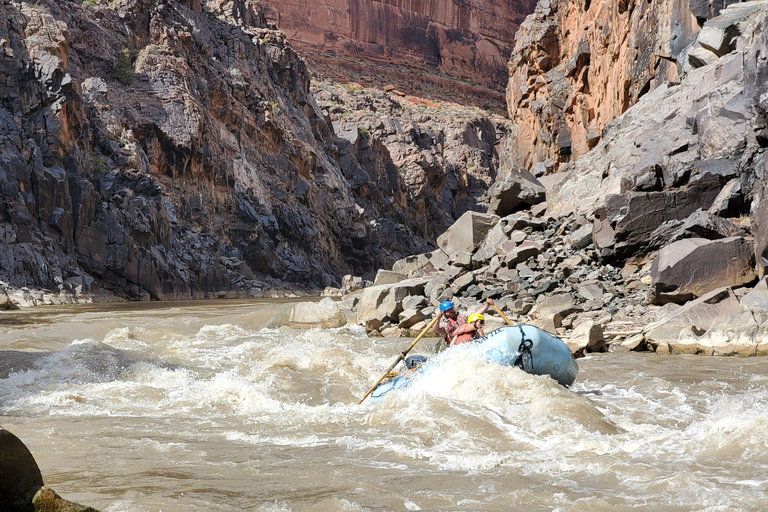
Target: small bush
x,y
274,107
362,131
123,71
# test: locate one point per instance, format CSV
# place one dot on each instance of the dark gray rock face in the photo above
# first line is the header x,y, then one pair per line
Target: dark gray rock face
x,y
200,167
20,477
688,160
515,190
636,215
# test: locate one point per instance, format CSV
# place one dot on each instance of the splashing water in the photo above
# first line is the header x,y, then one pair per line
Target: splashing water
x,y
200,407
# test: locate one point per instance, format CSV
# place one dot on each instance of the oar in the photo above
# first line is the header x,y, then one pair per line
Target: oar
x,y
401,357
509,322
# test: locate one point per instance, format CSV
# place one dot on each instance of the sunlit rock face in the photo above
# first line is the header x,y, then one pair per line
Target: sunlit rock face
x,y
577,66
468,40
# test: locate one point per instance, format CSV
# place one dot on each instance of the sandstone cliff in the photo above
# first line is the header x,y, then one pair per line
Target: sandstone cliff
x,y
577,66
440,48
174,150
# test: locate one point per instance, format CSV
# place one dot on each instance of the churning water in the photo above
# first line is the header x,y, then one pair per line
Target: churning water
x,y
198,407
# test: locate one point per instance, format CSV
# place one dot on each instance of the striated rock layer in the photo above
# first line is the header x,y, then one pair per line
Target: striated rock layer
x,y
455,42
577,66
173,150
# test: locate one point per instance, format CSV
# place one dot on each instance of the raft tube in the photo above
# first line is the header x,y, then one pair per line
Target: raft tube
x,y
525,346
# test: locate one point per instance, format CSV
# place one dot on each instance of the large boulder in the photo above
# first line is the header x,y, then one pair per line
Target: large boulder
x,y
586,337
699,315
690,268
657,196
410,265
467,233
383,303
730,335
700,224
21,483
550,312
760,225
517,189
20,477
306,315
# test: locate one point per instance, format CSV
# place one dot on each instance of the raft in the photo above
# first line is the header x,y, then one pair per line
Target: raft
x,y
524,346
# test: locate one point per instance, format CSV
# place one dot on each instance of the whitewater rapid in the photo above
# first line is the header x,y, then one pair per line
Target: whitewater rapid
x,y
201,407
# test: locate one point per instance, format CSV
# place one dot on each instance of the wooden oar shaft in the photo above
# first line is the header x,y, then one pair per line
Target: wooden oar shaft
x,y
509,322
401,357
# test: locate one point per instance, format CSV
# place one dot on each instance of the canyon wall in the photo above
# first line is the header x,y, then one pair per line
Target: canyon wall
x,y
577,66
457,42
173,149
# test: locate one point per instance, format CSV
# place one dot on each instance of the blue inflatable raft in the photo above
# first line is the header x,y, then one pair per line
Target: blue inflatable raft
x,y
524,346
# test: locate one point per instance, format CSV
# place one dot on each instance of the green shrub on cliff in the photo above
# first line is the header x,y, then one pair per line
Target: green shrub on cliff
x,y
122,70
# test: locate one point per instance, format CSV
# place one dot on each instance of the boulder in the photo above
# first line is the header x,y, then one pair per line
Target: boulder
x,y
350,283
306,315
46,500
517,189
730,201
699,224
410,265
20,477
699,315
410,317
519,221
755,300
580,238
719,34
467,233
635,215
388,277
729,335
21,484
5,301
760,228
521,253
384,302
550,312
690,268
586,337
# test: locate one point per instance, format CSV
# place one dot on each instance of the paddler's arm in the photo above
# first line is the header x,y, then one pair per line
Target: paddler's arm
x,y
437,329
485,307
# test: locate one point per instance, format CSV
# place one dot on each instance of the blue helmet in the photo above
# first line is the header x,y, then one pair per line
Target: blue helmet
x,y
445,306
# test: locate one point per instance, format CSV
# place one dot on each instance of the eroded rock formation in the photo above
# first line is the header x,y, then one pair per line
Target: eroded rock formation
x,y
455,42
577,66
174,150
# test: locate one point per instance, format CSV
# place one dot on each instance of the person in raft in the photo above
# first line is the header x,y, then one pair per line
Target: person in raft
x,y
469,331
449,320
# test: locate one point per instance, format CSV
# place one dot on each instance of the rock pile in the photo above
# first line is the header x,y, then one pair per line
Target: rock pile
x,y
546,272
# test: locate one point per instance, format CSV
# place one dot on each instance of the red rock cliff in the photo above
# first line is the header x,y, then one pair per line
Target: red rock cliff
x,y
577,66
469,40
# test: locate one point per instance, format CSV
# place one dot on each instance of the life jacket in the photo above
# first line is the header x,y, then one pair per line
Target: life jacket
x,y
465,333
451,325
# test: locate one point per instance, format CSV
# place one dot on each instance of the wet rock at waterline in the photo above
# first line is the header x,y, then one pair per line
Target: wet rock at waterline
x,y
21,484
306,315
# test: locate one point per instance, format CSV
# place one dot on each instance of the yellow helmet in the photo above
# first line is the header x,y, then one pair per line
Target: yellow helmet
x,y
474,317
